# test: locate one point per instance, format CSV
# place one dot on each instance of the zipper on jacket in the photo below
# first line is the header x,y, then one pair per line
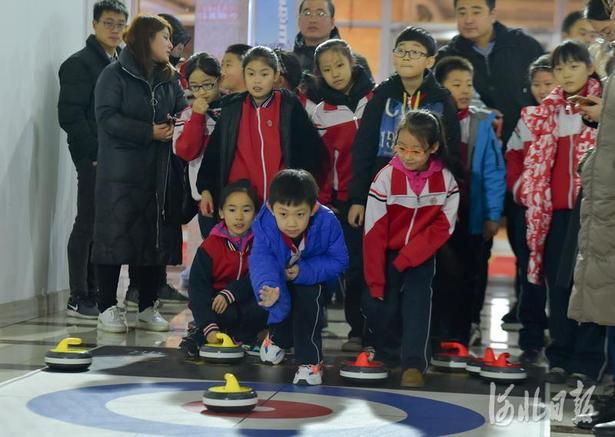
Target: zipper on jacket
x,y
260,134
336,175
412,222
571,172
153,102
240,265
487,65
157,222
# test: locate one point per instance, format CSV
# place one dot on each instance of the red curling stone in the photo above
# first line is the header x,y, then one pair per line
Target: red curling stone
x,y
363,370
475,364
501,370
453,356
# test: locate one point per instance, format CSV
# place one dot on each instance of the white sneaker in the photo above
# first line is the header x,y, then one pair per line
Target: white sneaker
x,y
112,320
270,352
151,320
308,374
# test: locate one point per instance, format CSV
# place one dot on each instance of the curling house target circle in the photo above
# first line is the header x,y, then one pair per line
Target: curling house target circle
x,y
168,408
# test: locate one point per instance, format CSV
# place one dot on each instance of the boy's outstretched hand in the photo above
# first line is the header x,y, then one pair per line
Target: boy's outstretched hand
x,y
219,304
292,272
268,296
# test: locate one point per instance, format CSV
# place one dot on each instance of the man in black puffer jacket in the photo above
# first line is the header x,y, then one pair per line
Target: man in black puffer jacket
x,y
78,76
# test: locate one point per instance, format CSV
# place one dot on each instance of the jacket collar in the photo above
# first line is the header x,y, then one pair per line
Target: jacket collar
x,y
128,62
93,44
265,104
300,40
430,88
362,85
501,36
239,244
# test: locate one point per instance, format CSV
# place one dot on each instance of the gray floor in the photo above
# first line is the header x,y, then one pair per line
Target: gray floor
x,y
23,345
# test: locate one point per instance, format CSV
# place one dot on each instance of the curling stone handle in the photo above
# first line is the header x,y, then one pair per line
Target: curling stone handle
x,y
65,344
489,355
362,359
460,348
232,386
502,360
226,340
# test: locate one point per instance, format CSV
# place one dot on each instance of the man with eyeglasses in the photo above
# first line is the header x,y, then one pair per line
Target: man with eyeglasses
x,y
78,76
317,25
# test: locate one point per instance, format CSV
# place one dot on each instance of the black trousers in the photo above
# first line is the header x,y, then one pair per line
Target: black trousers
x,y
148,278
303,326
532,298
514,233
454,288
243,320
575,347
81,272
399,325
354,279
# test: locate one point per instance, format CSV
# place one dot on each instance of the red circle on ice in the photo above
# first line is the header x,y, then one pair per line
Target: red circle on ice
x,y
269,409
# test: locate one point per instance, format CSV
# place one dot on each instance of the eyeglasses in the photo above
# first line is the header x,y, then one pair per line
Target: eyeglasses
x,y
203,87
412,54
112,25
319,13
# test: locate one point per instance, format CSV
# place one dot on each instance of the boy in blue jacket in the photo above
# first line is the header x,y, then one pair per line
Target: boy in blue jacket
x,y
298,245
482,202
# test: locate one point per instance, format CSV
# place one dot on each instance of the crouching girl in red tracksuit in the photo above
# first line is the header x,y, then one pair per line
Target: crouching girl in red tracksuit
x,y
411,212
221,296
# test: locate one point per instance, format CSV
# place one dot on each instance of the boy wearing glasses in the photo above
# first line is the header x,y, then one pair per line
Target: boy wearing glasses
x,y
78,76
413,86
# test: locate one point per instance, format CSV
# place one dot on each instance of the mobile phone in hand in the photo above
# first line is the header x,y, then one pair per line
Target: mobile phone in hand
x,y
580,100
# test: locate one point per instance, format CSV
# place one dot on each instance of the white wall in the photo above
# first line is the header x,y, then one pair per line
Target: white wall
x,y
37,177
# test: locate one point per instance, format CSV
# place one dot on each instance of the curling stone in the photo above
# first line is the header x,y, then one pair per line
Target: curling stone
x,y
475,364
230,398
226,352
453,356
63,357
501,370
363,370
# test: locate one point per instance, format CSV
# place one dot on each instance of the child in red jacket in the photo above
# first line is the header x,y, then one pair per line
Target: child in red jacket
x,y
221,296
259,133
411,212
548,187
345,88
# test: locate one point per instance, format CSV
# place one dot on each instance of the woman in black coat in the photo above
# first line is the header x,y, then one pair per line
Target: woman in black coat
x,y
138,185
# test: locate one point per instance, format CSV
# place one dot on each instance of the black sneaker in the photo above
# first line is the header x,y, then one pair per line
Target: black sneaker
x,y
132,297
604,411
510,321
191,343
82,307
533,358
556,375
586,380
167,293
